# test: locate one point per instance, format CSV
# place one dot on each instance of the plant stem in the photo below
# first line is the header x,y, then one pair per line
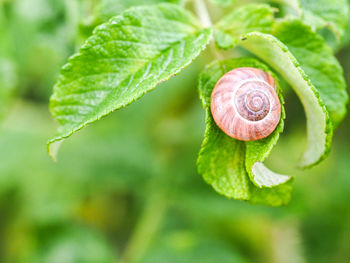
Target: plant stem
x,y
204,17
146,229
202,13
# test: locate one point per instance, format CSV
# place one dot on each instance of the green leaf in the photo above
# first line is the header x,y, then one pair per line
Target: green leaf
x,y
121,61
258,151
319,126
109,8
318,62
346,39
243,20
326,13
332,14
224,161
302,48
291,6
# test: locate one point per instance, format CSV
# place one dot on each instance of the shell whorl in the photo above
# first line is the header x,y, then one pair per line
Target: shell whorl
x,y
245,105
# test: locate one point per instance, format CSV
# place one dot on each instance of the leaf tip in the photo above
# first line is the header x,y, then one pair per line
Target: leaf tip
x,y
264,177
53,147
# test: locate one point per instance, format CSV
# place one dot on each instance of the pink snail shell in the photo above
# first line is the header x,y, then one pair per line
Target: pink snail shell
x,y
245,105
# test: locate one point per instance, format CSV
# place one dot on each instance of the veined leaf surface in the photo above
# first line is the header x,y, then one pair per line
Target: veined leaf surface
x,y
123,59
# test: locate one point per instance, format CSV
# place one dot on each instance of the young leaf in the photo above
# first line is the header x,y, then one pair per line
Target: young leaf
x,y
123,59
318,62
319,126
332,14
292,7
248,18
326,13
226,163
109,8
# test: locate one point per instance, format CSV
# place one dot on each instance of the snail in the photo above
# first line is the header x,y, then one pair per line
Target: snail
x,y
245,104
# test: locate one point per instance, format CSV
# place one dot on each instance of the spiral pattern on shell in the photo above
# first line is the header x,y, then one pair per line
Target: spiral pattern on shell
x,y
245,105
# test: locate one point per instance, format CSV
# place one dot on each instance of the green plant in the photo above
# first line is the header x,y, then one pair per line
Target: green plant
x,y
136,50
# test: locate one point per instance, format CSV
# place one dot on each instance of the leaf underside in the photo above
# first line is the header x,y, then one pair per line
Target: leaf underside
x,y
319,127
326,74
123,59
304,59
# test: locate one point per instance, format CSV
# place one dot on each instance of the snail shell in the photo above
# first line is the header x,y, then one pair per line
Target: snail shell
x,y
245,105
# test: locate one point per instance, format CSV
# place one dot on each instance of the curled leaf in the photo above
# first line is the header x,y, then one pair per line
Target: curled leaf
x,y
234,167
319,126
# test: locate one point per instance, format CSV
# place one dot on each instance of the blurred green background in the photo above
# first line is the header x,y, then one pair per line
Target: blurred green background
x,y
126,188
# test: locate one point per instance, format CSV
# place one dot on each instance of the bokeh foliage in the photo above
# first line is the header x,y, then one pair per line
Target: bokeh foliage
x,y
127,188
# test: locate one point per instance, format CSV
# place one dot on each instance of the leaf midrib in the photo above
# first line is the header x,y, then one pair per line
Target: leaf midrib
x,y
91,117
